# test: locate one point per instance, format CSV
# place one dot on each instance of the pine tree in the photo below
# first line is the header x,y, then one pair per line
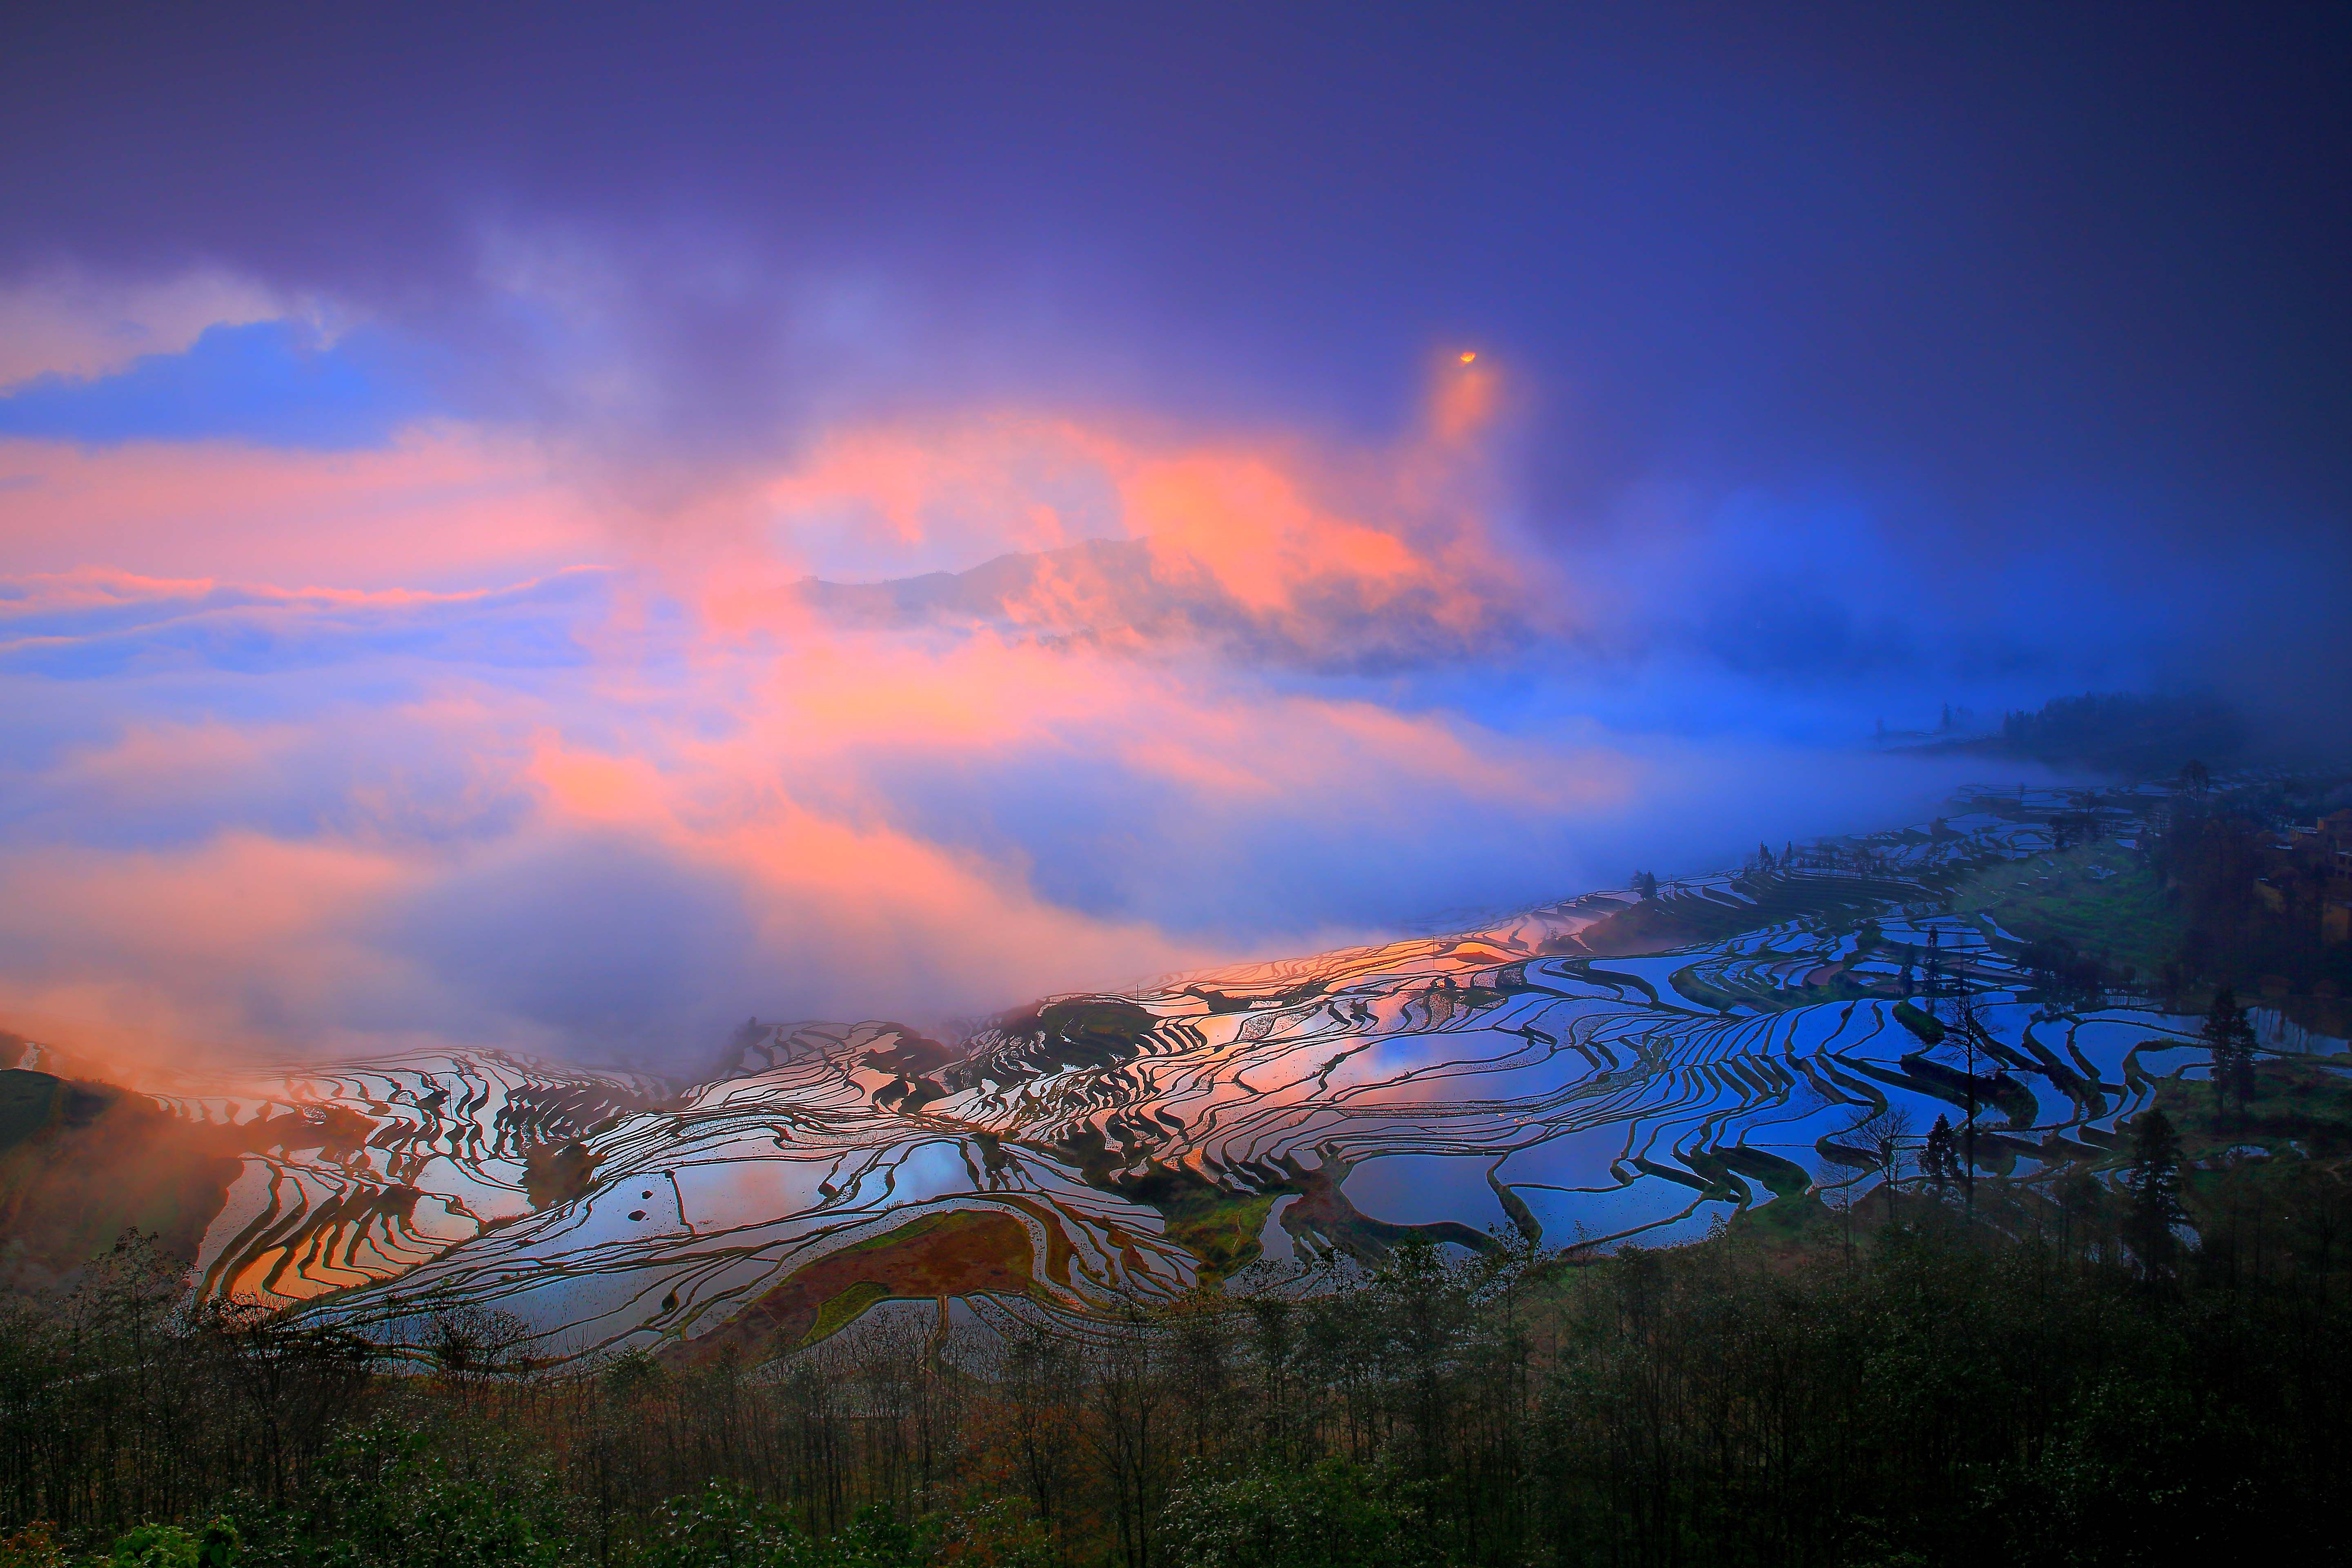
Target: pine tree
x,y
2229,1037
2242,1067
1969,1025
2154,1184
1940,1160
2080,1201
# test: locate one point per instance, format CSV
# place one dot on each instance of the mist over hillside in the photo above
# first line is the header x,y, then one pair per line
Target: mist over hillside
x,y
1078,786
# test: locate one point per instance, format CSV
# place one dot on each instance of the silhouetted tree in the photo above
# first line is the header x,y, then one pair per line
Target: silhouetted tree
x,y
1939,1160
1968,1021
1881,1135
2082,1207
2153,1181
2229,1037
472,1345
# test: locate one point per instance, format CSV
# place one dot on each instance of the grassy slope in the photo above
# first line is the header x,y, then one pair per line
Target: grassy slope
x,y
2124,914
2298,1107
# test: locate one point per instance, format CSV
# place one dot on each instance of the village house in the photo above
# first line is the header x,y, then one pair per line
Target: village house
x,y
2309,868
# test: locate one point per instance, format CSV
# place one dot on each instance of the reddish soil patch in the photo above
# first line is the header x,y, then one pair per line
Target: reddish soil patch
x,y
1058,1250
964,1252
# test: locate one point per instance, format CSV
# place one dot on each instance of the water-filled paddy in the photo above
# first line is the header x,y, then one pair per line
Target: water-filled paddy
x,y
1262,1115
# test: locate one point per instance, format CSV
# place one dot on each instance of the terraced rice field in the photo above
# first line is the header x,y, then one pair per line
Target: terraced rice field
x,y
1599,1071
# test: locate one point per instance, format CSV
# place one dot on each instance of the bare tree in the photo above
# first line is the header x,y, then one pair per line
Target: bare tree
x,y
1882,1134
473,1346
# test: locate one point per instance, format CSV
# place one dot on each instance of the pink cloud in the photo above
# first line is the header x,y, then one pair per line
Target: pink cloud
x,y
1322,549
442,508
718,800
150,955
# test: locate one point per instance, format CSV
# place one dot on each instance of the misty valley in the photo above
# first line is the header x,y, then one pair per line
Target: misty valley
x,y
1076,786
1963,1057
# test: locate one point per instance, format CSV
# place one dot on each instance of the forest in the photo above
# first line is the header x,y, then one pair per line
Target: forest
x,y
1944,1371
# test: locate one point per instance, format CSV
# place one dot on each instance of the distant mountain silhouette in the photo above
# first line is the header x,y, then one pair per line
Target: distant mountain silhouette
x,y
1141,591
1109,577
2116,732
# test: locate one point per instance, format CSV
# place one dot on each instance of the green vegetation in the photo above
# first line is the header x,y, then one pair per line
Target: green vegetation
x,y
841,1311
2119,733
947,1253
1091,1032
2255,919
1220,1228
2296,1112
79,1161
27,1101
2099,899
1331,1514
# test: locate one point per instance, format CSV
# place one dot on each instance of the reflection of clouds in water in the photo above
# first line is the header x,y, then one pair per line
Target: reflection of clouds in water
x,y
756,1184
1421,1189
1584,1159
1645,1210
1608,1116
911,1175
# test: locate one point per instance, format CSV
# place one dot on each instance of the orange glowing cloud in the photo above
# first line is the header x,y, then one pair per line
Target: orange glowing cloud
x,y
715,787
1275,542
150,955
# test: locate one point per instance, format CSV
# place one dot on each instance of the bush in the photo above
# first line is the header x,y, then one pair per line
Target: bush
x,y
1335,1515
724,1526
169,1546
32,1547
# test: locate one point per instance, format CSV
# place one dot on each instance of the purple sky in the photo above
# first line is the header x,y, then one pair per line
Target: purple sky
x,y
412,424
